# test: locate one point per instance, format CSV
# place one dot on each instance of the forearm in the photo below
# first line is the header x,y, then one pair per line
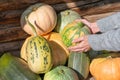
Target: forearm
x,y
106,41
109,23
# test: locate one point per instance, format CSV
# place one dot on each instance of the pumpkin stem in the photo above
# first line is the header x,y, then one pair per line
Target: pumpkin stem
x,y
61,72
32,27
67,13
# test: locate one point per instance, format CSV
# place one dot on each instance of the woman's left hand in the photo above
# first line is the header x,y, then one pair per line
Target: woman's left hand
x,y
82,44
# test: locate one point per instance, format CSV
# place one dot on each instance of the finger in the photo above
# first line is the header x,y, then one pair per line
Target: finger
x,y
78,50
87,49
78,39
85,22
75,47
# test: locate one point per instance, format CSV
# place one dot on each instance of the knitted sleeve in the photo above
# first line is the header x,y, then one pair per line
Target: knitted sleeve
x,y
109,23
110,38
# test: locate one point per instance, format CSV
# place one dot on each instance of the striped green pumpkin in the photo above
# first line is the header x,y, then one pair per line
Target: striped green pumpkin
x,y
80,63
65,17
72,31
77,61
14,68
61,73
38,53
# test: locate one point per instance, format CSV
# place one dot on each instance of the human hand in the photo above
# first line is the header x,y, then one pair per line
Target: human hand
x,y
93,26
81,46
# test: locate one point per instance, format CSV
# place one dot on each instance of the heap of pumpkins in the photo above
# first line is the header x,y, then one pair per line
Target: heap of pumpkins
x,y
45,51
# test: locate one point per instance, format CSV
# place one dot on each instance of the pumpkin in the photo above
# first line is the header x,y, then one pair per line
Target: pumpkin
x,y
80,63
77,61
73,31
38,52
61,73
15,68
59,50
42,16
23,53
106,67
65,17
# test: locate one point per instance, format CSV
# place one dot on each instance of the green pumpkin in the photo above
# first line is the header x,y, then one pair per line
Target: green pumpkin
x,y
73,31
61,73
80,63
65,17
14,68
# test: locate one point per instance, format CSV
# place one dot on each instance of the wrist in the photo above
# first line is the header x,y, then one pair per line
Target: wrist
x,y
94,28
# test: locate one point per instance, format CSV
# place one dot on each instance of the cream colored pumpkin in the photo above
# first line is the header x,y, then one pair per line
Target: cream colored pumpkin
x,y
42,16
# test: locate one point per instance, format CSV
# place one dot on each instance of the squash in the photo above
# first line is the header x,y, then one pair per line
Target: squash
x,y
106,67
80,63
42,16
38,52
65,17
59,50
73,31
61,73
14,68
23,53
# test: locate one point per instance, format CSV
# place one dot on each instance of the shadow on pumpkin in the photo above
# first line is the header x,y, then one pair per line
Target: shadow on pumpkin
x,y
80,76
58,53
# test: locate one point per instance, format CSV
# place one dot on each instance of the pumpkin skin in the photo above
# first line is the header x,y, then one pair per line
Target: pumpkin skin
x,y
80,63
73,31
61,73
23,53
77,61
39,56
106,67
15,68
59,50
42,16
65,17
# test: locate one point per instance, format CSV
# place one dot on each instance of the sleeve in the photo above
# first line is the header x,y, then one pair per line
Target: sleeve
x,y
109,23
109,40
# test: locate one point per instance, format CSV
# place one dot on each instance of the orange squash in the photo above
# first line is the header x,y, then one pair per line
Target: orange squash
x,y
59,50
106,68
42,16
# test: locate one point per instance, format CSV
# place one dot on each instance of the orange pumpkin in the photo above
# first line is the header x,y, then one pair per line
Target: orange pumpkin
x,y
42,16
59,50
105,68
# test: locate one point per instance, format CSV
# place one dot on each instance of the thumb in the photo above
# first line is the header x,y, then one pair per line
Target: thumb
x,y
85,22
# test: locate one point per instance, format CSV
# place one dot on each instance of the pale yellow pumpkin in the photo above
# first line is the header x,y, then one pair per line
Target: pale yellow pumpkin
x,y
23,54
106,68
37,52
42,16
60,52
